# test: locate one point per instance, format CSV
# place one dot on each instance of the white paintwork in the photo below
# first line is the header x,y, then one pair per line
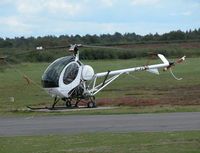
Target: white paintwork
x,y
141,68
54,92
87,73
65,89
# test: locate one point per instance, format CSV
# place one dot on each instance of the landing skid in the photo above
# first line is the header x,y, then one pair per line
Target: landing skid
x,y
91,103
55,108
37,108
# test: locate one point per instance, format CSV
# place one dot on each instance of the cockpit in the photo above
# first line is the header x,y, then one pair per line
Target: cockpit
x,y
50,78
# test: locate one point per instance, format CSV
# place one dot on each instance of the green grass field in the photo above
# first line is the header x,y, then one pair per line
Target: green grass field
x,y
142,89
159,142
143,93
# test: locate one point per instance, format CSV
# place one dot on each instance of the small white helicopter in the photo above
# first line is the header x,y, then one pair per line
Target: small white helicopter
x,y
70,80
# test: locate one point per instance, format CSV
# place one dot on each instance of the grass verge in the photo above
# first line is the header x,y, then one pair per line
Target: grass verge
x,y
159,142
119,110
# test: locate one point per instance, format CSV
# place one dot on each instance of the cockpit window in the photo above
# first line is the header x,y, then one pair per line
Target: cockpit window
x,y
70,73
51,76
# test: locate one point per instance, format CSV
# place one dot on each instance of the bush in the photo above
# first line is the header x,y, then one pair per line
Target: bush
x,y
97,53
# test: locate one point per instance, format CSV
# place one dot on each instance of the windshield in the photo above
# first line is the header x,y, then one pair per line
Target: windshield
x,y
51,76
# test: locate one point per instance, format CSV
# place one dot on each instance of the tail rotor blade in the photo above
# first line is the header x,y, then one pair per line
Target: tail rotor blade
x,y
181,59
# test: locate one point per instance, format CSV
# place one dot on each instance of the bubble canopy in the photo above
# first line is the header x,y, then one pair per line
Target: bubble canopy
x,y
50,78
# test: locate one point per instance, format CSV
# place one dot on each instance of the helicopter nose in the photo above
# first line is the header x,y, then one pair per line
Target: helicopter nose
x,y
54,92
46,83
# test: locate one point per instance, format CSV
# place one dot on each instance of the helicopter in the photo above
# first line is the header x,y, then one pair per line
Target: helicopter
x,y
68,79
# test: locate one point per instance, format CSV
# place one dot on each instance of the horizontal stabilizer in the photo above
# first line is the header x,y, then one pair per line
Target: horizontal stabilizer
x,y
155,71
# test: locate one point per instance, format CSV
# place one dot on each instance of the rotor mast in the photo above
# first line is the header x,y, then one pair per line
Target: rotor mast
x,y
74,49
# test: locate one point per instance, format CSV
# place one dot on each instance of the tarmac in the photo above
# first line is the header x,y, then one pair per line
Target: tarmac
x,y
75,124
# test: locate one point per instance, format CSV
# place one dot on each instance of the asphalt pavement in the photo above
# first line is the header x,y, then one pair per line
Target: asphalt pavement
x,y
75,124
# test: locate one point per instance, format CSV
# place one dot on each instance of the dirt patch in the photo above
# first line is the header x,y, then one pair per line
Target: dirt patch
x,y
174,95
129,101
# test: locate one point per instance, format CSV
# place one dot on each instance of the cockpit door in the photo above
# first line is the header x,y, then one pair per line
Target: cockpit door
x,y
70,73
70,77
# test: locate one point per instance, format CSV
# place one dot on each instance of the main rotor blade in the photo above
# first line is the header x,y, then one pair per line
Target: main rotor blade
x,y
17,54
81,45
104,47
57,47
36,50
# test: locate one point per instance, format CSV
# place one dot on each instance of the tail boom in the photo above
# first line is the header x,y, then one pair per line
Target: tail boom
x,y
141,68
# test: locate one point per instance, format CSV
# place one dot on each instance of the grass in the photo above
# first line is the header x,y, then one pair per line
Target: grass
x,y
158,142
132,95
120,110
144,90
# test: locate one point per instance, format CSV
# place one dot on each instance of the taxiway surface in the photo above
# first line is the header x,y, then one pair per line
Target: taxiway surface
x,y
75,124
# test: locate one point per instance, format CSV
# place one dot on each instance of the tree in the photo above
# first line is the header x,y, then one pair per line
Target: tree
x,y
5,43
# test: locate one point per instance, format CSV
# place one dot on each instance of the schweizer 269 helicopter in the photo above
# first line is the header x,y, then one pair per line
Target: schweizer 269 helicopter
x,y
68,79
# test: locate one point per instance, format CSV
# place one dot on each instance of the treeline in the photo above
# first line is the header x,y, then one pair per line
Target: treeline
x,y
172,51
23,49
104,39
